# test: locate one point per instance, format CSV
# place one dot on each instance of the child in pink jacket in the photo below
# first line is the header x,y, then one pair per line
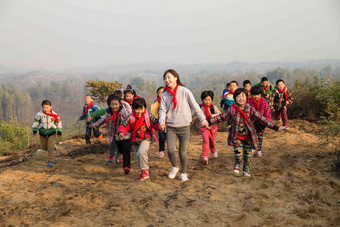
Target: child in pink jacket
x,y
208,134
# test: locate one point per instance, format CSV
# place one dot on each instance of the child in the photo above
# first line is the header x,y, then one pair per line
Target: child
x,y
279,100
261,105
130,95
226,89
48,123
228,96
247,86
242,135
267,88
116,113
89,108
208,134
140,124
175,112
154,110
113,150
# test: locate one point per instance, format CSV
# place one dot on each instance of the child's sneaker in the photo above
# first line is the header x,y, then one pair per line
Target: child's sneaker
x,y
253,152
205,160
120,160
126,170
246,174
236,168
161,154
111,158
50,164
215,155
144,175
173,172
183,177
259,154
100,137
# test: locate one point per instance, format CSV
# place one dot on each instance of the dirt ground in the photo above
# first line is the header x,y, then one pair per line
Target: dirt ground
x,y
295,183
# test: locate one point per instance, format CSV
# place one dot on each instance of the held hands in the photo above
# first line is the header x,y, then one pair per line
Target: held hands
x,y
161,127
205,124
120,135
89,118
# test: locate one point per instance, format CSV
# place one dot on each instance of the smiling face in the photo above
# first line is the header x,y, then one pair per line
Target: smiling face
x,y
207,101
114,105
247,87
241,99
140,111
280,85
264,83
47,108
256,97
129,97
170,80
233,87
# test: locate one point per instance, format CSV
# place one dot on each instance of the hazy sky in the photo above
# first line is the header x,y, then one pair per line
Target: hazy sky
x,y
70,33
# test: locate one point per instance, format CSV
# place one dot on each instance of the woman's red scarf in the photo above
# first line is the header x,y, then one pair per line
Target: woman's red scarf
x,y
241,112
138,123
52,115
173,93
88,107
257,103
283,91
207,110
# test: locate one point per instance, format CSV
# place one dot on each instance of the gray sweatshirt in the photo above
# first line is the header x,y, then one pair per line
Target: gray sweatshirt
x,y
186,107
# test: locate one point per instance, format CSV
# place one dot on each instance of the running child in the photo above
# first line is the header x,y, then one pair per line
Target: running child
x,y
267,88
48,124
261,105
154,110
242,135
89,108
228,96
280,98
226,89
130,95
208,134
116,113
141,125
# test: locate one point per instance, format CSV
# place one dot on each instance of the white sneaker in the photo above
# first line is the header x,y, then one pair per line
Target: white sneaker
x,y
215,155
183,177
173,172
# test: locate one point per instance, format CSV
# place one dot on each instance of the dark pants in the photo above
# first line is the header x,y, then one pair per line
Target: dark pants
x,y
96,133
162,138
124,147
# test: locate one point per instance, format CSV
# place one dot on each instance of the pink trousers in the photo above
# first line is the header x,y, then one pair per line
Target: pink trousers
x,y
209,140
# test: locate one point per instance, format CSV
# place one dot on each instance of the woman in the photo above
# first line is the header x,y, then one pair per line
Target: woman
x,y
177,102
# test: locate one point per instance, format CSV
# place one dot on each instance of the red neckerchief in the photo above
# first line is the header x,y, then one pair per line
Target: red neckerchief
x,y
114,116
159,99
128,101
88,107
283,91
52,115
265,88
207,110
138,123
173,93
257,103
241,112
230,92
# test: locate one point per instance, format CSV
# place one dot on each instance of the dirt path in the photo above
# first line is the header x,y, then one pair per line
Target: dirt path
x,y
294,184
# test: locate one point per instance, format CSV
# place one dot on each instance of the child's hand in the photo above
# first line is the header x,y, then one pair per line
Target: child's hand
x,y
78,119
120,135
267,95
205,124
282,128
161,127
89,118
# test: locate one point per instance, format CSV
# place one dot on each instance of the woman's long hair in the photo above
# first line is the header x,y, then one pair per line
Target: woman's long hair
x,y
175,74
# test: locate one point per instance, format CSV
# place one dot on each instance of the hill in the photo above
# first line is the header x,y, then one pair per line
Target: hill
x,y
295,183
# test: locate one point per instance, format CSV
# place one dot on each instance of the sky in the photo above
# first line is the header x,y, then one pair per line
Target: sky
x,y
74,33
